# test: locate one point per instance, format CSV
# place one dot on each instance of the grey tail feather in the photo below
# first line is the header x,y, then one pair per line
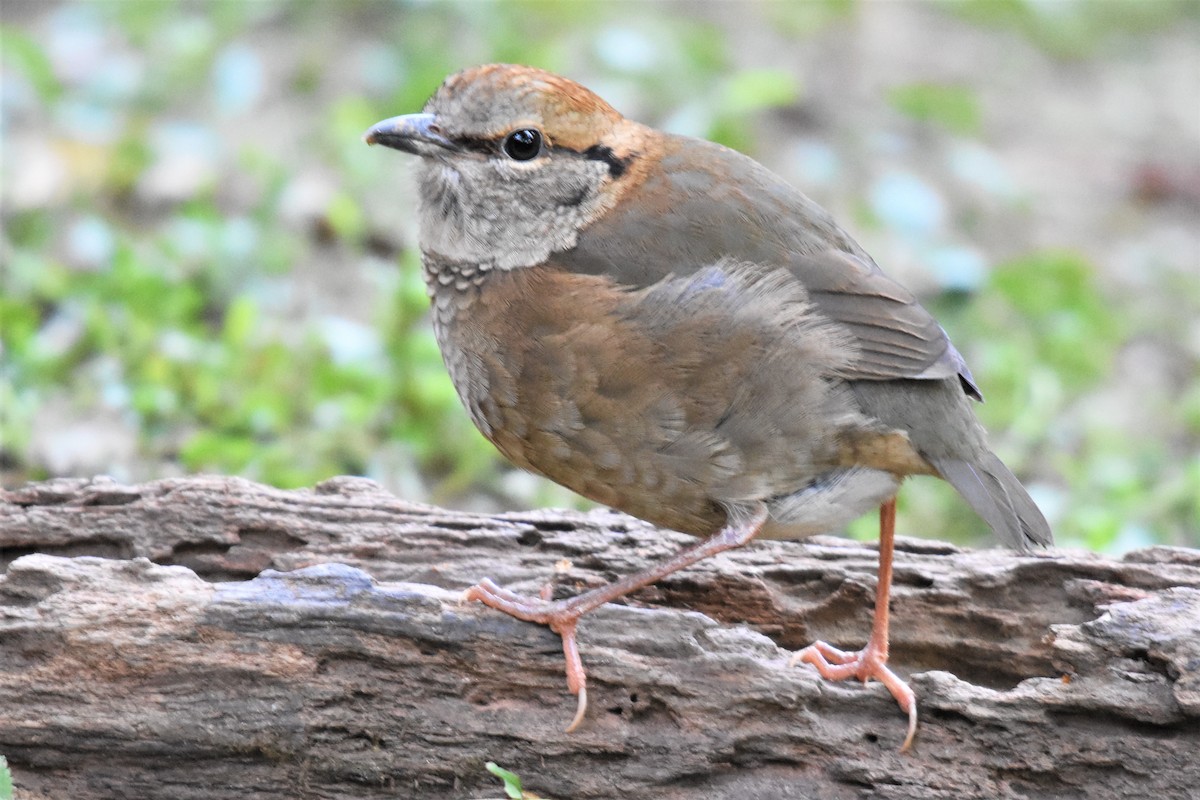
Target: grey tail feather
x,y
999,498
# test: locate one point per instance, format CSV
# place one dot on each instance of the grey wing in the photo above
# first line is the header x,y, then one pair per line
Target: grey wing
x,y
897,338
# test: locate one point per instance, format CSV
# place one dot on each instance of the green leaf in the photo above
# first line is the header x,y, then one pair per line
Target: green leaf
x,y
129,158
954,108
512,783
6,787
346,217
26,55
1074,29
1063,319
207,450
241,320
757,89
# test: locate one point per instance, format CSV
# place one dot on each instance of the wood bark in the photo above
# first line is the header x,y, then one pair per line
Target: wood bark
x,y
210,637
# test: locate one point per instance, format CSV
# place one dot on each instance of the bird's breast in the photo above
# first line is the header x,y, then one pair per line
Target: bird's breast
x,y
670,403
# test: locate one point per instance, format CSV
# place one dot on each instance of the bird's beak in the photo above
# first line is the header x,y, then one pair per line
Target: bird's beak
x,y
412,133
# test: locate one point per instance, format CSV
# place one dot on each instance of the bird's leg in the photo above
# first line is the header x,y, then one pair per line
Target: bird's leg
x,y
871,661
563,615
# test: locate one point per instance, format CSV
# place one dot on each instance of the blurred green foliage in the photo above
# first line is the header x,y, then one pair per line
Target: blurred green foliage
x,y
953,107
175,310
1074,28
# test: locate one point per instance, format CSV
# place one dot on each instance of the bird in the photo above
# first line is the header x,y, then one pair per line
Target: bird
x,y
666,327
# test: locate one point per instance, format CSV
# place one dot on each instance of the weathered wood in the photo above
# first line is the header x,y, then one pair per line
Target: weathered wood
x,y
350,669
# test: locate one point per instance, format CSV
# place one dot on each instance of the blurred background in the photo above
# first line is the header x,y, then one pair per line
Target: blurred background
x,y
205,270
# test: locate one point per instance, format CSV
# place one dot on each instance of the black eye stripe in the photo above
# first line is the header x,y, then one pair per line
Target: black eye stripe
x,y
617,165
476,144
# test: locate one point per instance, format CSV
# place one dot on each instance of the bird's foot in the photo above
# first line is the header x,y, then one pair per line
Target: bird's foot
x,y
868,663
561,616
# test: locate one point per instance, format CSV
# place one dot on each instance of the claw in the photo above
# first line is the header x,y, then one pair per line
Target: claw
x,y
563,615
912,728
837,665
560,616
871,661
581,710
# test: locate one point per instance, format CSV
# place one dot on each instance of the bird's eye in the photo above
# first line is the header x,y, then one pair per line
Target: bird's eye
x,y
523,144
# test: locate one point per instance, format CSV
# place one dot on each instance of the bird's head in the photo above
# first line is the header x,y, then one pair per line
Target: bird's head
x,y
515,161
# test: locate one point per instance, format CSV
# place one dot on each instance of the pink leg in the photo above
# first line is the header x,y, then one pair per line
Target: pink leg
x,y
871,661
563,615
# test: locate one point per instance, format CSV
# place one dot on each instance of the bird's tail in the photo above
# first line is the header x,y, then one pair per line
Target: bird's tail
x,y
997,496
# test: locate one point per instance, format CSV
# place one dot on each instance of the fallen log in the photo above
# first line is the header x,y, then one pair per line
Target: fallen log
x,y
210,637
